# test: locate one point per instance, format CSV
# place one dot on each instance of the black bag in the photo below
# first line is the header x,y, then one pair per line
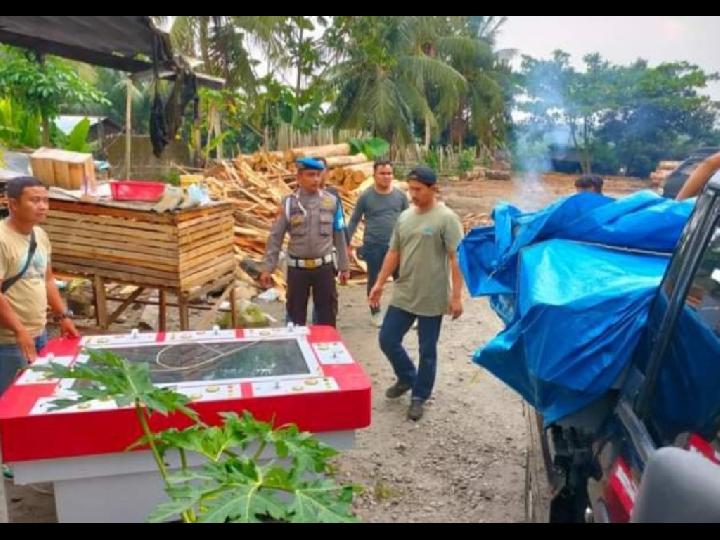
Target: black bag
x,y
7,283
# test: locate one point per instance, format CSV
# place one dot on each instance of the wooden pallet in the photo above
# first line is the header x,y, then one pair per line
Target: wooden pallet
x,y
179,250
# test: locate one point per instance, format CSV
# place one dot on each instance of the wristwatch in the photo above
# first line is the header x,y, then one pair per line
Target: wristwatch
x,y
67,314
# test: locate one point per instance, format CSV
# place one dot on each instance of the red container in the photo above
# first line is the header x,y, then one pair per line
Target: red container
x,y
133,190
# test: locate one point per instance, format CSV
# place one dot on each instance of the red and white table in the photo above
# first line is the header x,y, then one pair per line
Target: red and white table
x,y
81,450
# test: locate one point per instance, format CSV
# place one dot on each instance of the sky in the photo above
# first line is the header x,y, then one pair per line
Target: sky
x,y
619,39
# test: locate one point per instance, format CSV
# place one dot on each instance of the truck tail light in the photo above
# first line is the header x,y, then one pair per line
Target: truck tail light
x,y
620,492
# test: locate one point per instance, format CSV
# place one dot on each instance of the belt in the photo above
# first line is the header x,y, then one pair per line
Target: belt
x,y
309,263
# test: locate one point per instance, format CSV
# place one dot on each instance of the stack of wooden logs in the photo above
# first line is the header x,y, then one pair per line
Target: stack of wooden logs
x,y
256,183
344,170
664,168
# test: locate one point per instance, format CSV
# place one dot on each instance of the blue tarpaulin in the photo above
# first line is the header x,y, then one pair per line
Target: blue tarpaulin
x,y
573,283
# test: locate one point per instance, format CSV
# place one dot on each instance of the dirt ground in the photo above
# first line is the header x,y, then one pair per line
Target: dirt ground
x,y
464,461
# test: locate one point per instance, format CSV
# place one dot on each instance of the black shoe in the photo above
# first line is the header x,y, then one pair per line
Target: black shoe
x,y
397,389
415,411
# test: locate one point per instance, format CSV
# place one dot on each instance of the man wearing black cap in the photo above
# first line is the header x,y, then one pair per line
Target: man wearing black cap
x,y
314,220
423,245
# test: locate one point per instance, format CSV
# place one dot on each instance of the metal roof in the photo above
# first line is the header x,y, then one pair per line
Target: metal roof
x,y
123,42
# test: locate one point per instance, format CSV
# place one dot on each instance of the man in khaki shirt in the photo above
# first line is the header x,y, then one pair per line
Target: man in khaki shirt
x,y
313,218
424,247
24,300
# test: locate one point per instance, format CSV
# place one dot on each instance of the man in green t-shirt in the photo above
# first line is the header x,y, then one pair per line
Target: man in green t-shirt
x,y
423,245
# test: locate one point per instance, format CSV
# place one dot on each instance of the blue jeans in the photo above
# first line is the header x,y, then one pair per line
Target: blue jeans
x,y
396,324
12,360
374,255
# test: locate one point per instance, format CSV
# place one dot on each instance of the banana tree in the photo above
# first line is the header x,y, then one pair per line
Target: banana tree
x,y
43,86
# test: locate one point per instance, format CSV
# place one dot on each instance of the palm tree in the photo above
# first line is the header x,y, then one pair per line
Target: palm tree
x,y
382,82
483,107
223,44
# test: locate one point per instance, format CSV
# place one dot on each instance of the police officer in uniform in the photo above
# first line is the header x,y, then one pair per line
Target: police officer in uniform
x,y
313,217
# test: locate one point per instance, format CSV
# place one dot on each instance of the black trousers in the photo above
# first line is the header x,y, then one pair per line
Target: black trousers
x,y
324,292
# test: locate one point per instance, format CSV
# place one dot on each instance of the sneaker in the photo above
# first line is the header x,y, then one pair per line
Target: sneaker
x,y
376,319
7,472
397,389
415,411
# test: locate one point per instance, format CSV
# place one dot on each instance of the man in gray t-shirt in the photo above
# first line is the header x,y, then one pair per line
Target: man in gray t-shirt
x,y
380,205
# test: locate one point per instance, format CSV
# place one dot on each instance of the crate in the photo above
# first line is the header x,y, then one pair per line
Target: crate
x,y
178,250
63,169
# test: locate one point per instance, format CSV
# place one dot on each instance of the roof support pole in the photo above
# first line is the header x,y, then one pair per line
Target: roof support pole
x,y
128,125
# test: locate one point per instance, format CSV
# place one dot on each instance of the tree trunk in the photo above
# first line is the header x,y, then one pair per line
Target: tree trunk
x,y
205,41
218,134
329,150
345,161
428,132
587,163
45,129
299,66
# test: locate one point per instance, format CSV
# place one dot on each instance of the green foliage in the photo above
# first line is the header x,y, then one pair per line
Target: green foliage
x,y
432,159
77,139
619,116
18,126
43,87
235,484
171,177
389,75
107,376
440,73
466,160
373,148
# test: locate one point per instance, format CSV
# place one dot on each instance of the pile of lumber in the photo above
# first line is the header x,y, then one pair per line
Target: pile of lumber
x,y
664,168
473,220
269,163
344,170
255,197
255,185
349,177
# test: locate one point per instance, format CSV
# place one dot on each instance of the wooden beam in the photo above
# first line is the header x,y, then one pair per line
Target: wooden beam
x,y
129,300
191,306
162,310
128,125
96,58
208,317
101,313
233,311
183,309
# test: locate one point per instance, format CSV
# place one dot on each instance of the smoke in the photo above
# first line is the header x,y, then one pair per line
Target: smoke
x,y
538,136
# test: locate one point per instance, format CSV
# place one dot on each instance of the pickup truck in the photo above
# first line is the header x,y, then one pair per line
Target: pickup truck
x,y
649,450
